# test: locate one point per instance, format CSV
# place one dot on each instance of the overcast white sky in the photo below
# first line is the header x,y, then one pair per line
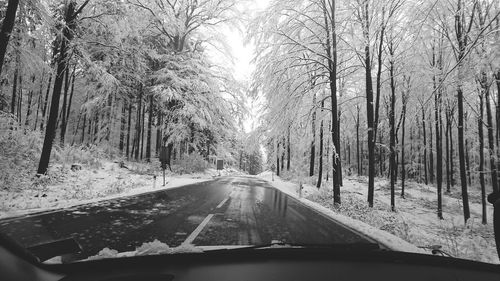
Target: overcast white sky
x,y
243,55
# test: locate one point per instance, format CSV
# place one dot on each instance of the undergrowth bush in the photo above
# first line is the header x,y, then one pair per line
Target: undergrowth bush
x,y
90,156
145,168
352,206
19,152
192,163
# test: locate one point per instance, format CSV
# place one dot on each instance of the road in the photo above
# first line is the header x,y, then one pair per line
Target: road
x,y
226,211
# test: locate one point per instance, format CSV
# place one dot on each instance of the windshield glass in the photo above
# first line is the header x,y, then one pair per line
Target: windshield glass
x,y
144,127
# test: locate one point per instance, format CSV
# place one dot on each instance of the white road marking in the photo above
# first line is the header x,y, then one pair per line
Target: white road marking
x,y
198,230
222,203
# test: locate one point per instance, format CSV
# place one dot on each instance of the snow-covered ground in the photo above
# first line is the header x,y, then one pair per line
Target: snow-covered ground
x,y
68,188
414,223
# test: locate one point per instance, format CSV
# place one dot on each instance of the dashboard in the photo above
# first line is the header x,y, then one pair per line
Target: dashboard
x,y
278,264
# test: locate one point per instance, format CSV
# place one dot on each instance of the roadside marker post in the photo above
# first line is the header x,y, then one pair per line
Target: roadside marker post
x,y
220,165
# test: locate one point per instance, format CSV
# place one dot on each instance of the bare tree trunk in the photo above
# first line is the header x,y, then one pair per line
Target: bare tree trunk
x,y
278,158
331,50
369,104
392,124
30,99
380,154
493,164
452,170
64,105
379,70
150,125
96,128
313,141
481,158
467,158
420,156
138,125
461,38
159,124
143,129
7,27
349,154
107,123
44,108
129,124
123,122
403,167
320,156
288,150
358,155
20,99
283,156
439,153
339,160
497,80
72,91
84,112
14,92
425,145
431,152
328,152
89,130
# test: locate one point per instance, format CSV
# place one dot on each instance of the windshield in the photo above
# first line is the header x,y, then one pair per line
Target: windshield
x,y
144,127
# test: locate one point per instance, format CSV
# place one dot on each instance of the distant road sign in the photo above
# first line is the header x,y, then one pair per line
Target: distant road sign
x,y
220,164
273,167
163,155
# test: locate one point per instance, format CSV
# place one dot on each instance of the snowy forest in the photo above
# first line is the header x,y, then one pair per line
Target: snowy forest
x,y
406,90
403,92
119,75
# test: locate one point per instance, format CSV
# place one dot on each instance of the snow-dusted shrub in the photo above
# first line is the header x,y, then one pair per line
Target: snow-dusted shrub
x,y
144,168
19,151
355,207
118,187
90,156
188,164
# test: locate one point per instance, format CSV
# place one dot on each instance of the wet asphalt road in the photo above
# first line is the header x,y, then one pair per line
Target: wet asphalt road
x,y
226,211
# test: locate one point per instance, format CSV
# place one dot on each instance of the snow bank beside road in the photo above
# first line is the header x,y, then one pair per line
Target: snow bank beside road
x,y
415,220
70,188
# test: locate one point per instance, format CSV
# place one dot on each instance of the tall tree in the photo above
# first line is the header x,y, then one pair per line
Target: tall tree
x,y
392,123
70,15
313,141
7,27
461,30
364,18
